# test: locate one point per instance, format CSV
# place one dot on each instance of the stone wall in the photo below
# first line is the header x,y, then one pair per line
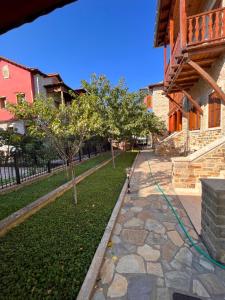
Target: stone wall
x,y
201,91
173,145
160,104
180,144
213,221
207,162
199,139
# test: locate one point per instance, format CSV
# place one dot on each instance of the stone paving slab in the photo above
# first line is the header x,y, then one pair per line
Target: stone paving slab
x,y
149,257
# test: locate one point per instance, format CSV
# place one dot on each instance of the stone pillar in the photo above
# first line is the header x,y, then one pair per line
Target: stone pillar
x,y
213,217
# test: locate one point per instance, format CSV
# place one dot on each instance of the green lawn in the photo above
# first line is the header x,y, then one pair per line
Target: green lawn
x,y
14,200
48,255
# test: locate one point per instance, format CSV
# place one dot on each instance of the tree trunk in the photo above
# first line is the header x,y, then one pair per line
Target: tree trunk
x,y
112,151
74,184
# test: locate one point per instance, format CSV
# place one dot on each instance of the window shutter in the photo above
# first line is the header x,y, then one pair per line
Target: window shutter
x,y
214,111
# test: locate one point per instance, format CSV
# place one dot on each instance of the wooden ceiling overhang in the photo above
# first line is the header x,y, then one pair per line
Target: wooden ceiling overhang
x,y
161,25
17,12
184,74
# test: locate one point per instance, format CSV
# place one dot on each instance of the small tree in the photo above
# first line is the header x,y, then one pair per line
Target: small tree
x,y
66,126
123,113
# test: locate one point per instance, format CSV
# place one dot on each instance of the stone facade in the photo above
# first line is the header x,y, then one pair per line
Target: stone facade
x,y
201,91
213,221
160,103
195,140
201,138
207,162
173,145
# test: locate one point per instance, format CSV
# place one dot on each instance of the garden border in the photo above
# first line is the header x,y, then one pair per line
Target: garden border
x,y
22,214
91,277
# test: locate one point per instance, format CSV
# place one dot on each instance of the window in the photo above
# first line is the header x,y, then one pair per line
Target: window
x,y
20,98
214,110
2,102
5,72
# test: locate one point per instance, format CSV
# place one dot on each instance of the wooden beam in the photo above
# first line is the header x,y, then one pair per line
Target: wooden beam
x,y
207,78
190,78
187,73
186,81
195,103
165,60
171,34
216,50
177,104
183,24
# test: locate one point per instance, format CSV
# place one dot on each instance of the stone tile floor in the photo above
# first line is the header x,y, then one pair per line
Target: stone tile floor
x,y
149,257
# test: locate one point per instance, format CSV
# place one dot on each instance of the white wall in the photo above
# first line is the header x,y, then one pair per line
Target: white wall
x,y
17,125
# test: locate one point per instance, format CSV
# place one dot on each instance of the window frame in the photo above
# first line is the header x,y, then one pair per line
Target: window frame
x,y
20,101
4,101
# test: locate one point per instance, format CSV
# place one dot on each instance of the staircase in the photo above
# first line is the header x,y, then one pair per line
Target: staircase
x,y
208,162
173,145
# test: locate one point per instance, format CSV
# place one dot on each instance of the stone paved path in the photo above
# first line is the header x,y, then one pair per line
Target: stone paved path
x,y
149,257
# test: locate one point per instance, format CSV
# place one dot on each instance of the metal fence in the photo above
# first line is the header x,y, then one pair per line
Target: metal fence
x,y
20,167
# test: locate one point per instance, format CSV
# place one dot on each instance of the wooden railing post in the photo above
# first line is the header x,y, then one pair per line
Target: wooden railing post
x,y
183,24
165,61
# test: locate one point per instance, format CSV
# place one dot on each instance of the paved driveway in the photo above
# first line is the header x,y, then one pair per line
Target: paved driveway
x,y
150,257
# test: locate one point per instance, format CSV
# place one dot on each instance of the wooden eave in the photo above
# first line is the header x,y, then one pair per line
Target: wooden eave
x,y
14,13
162,19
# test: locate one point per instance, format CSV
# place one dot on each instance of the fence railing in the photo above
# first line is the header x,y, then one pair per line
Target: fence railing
x,y
19,167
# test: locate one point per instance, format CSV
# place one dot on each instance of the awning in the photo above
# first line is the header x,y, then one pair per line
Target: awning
x,y
17,12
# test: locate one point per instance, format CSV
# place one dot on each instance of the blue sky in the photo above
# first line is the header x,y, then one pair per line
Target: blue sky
x,y
111,37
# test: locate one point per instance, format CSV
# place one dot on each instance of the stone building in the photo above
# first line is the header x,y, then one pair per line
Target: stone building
x,y
160,103
193,34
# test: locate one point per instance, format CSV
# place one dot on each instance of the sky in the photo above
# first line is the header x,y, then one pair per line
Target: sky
x,y
111,37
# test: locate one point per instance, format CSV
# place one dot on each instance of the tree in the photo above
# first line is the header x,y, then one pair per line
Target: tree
x,y
123,113
66,126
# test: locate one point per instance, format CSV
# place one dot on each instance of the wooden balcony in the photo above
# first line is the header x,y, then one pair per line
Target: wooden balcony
x,y
201,40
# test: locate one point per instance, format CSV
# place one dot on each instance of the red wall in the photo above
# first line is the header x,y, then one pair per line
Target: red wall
x,y
19,81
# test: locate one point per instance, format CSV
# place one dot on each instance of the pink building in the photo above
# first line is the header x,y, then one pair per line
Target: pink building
x,y
19,83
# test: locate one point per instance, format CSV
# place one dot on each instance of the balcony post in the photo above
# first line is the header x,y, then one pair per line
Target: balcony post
x,y
171,34
165,60
183,24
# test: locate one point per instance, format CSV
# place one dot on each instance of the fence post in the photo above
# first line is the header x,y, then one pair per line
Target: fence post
x,y
49,166
88,149
79,155
17,171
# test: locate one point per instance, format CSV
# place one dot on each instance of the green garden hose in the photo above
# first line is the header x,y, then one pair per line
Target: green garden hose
x,y
196,247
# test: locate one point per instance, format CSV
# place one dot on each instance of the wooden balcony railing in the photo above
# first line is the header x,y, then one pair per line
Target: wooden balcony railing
x,y
206,27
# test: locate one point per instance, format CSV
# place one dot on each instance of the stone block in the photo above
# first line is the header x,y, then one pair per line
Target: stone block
x,y
213,219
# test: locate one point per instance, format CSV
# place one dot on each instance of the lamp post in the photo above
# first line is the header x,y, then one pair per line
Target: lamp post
x,y
128,171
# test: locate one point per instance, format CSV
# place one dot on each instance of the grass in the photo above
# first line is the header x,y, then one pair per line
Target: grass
x,y
47,256
14,200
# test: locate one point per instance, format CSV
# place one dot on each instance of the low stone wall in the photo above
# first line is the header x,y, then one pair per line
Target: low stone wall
x,y
213,221
173,145
176,144
207,162
199,139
